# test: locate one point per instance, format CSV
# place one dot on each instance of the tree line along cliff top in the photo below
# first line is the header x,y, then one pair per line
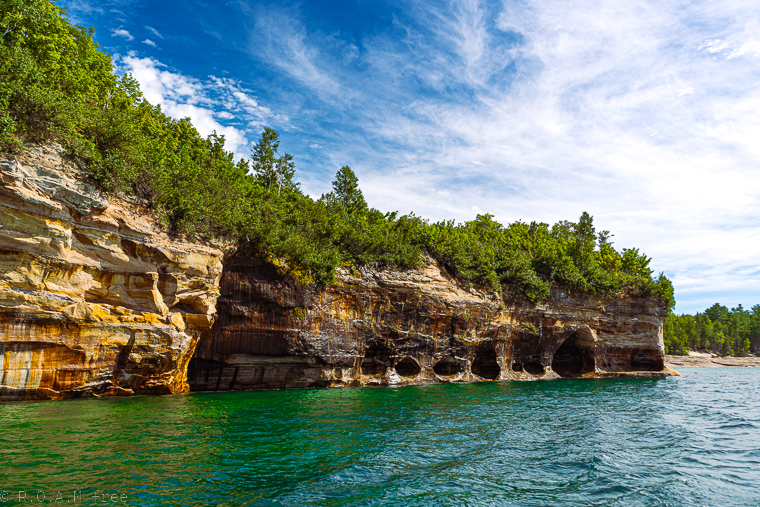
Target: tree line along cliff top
x,y
57,85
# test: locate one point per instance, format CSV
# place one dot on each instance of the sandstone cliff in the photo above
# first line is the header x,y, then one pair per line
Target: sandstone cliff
x,y
96,300
418,326
93,298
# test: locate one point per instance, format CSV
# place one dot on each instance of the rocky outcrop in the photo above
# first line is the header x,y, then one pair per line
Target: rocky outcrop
x,y
96,300
93,298
696,359
418,326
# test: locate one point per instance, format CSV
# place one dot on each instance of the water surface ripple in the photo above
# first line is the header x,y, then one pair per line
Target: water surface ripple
x,y
693,440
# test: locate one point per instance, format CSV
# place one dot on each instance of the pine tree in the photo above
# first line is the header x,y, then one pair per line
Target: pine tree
x,y
272,172
347,193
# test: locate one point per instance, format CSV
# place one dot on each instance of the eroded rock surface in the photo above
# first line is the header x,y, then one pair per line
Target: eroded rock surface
x,y
419,326
93,299
711,360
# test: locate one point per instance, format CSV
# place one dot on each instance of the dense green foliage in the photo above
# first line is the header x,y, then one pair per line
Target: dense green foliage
x,y
55,83
729,332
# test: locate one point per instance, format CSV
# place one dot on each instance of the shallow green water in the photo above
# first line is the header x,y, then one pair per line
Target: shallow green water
x,y
680,441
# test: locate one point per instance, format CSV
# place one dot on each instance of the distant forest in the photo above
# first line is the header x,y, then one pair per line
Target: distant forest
x,y
57,85
729,332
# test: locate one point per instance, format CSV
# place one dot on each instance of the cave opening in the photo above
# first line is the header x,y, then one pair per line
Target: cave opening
x,y
534,368
517,367
573,358
408,367
372,366
376,359
646,360
448,367
485,364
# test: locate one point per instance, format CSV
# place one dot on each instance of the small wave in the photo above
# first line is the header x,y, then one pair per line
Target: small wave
x,y
692,441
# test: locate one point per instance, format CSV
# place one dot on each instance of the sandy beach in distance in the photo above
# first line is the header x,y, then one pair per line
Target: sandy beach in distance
x,y
706,360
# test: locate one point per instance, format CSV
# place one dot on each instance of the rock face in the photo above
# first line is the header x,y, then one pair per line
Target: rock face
x,y
711,360
93,300
418,326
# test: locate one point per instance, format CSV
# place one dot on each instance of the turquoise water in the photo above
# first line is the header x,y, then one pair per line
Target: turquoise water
x,y
693,440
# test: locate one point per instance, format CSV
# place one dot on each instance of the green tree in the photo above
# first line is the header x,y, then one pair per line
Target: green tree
x,y
347,193
584,235
272,171
57,84
717,312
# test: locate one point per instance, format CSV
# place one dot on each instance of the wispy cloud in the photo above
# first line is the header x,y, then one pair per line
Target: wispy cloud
x,y
283,37
154,32
564,107
120,32
149,43
644,113
82,7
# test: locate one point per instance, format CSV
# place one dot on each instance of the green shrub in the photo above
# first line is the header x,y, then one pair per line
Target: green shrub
x,y
56,84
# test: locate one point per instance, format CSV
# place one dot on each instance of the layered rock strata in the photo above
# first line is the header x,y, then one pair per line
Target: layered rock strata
x,y
94,299
418,326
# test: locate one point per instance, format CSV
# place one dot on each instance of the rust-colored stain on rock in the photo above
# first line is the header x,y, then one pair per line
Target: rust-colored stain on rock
x,y
95,300
385,327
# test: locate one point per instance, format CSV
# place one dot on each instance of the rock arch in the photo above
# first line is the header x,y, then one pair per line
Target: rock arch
x,y
448,367
527,352
485,364
372,366
376,359
408,367
647,360
575,356
534,368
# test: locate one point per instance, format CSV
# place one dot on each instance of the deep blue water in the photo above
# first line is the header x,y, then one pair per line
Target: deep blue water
x,y
693,440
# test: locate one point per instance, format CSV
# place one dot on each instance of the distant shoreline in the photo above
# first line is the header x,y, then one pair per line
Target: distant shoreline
x,y
707,360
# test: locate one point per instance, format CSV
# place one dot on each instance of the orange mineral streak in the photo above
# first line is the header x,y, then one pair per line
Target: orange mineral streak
x,y
94,298
386,327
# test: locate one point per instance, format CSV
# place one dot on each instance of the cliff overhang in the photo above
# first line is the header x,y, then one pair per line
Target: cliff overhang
x,y
96,300
386,327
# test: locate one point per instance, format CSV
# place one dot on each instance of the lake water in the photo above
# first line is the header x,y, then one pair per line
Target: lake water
x,y
693,440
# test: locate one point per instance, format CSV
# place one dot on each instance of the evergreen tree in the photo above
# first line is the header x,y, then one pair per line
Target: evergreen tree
x,y
272,172
734,331
347,193
56,84
717,312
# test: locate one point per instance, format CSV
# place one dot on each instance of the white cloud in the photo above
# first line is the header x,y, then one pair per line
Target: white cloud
x,y
120,32
154,32
541,110
278,34
149,43
751,47
205,103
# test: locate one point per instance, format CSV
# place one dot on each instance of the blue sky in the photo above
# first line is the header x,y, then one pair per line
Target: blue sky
x,y
644,113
